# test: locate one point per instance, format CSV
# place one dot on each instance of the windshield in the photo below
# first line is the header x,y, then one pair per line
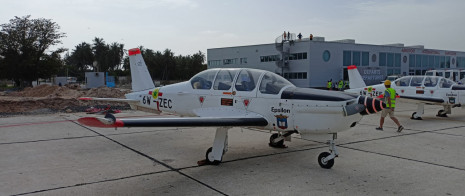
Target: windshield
x,y
204,79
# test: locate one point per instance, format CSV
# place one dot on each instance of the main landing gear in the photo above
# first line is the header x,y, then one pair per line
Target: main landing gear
x,y
447,110
277,139
326,159
420,110
214,154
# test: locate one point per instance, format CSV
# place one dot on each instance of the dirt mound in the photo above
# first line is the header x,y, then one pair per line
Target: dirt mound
x,y
106,92
57,99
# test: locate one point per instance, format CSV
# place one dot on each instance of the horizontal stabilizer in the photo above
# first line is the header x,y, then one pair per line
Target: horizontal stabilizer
x,y
108,99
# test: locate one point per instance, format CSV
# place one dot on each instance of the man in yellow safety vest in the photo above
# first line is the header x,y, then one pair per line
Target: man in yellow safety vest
x,y
330,84
340,85
390,100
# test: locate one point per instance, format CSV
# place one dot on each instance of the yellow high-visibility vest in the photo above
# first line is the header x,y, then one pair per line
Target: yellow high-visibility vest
x,y
392,96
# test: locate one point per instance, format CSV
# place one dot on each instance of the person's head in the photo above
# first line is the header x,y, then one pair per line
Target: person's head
x,y
387,83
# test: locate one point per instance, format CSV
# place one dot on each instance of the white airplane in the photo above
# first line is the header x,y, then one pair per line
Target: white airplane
x,y
431,90
226,98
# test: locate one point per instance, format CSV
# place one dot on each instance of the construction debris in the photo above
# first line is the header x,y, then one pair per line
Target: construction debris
x,y
49,99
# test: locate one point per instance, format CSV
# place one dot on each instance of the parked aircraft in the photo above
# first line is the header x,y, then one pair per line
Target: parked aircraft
x,y
432,90
226,98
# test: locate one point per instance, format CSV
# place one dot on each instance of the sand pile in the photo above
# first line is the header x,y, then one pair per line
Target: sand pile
x,y
46,98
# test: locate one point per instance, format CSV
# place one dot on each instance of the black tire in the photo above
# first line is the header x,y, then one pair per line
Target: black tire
x,y
413,116
441,113
207,157
276,144
328,164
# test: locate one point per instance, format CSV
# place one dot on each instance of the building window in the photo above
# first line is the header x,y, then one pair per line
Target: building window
x,y
382,59
430,61
229,61
448,62
347,58
418,61
411,62
269,58
356,58
214,63
390,60
460,61
298,56
365,59
424,61
397,60
326,55
243,60
295,75
442,62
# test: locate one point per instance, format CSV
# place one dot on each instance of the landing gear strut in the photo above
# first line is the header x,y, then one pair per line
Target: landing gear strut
x,y
214,154
326,159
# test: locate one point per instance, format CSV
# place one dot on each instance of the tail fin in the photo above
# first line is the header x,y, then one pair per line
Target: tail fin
x,y
355,79
140,75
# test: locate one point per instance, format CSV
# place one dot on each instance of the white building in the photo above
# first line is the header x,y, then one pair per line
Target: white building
x,y
311,63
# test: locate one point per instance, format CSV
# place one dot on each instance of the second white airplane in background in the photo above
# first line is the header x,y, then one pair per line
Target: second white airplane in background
x,y
432,90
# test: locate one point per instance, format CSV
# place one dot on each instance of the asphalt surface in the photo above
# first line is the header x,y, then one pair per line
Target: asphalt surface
x,y
52,154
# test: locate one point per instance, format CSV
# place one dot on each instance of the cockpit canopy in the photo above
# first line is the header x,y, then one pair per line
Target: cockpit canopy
x,y
240,80
425,81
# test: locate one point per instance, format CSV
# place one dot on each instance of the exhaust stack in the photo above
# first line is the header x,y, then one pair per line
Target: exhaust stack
x,y
372,105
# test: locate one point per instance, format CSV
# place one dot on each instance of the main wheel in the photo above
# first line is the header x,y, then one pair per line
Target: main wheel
x,y
278,144
415,118
325,164
210,159
441,113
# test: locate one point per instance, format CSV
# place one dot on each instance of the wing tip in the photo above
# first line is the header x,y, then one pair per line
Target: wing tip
x,y
85,98
97,122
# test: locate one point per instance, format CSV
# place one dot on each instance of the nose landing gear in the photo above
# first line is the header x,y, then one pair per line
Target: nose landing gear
x,y
326,159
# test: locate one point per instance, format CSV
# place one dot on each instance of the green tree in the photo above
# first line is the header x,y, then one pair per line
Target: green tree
x,y
81,57
100,51
23,46
115,56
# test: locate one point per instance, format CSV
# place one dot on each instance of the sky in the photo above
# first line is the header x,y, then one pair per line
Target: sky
x,y
189,26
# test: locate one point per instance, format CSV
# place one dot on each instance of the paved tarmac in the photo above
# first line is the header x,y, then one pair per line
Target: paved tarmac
x,y
54,155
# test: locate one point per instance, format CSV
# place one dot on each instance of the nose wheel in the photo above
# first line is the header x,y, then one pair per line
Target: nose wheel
x,y
323,162
326,159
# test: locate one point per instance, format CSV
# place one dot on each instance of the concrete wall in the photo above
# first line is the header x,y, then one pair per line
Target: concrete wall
x,y
95,79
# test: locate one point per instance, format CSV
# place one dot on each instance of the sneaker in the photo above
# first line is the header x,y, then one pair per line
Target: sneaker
x,y
400,128
379,128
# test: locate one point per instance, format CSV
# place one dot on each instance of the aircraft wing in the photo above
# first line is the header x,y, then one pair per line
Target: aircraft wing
x,y
108,99
110,121
424,99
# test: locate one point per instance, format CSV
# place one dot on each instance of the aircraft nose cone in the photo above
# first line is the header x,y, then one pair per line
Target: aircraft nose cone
x,y
372,105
